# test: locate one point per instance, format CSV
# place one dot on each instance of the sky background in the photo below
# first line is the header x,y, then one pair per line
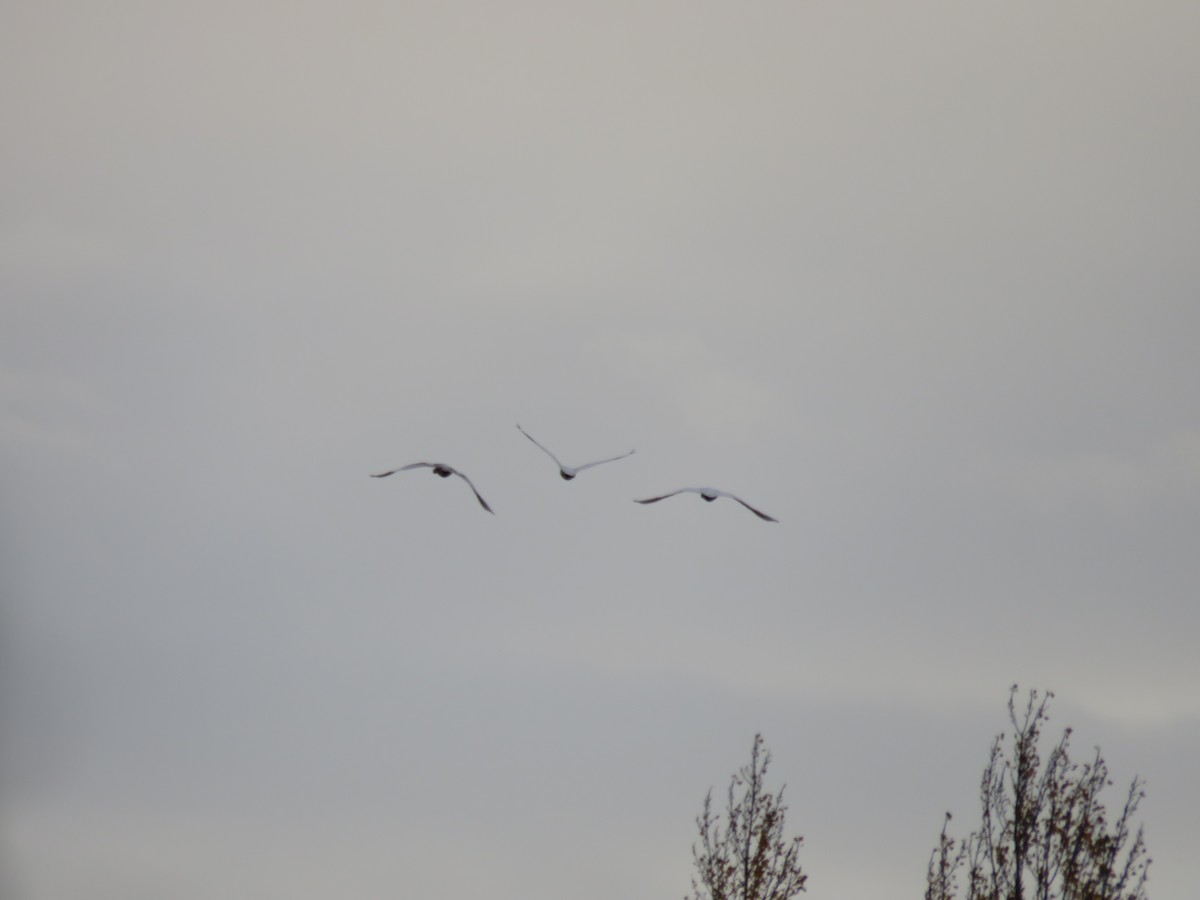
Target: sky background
x,y
918,279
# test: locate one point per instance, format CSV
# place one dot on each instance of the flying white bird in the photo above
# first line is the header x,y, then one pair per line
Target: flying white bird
x,y
569,472
710,494
443,470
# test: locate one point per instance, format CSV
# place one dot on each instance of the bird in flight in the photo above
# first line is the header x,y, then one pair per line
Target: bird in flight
x,y
710,494
569,472
444,471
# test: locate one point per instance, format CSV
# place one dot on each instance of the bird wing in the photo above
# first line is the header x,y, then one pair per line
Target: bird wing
x,y
662,496
757,512
404,468
478,496
599,461
543,449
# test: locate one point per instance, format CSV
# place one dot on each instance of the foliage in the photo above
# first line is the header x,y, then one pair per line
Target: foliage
x,y
747,856
1045,834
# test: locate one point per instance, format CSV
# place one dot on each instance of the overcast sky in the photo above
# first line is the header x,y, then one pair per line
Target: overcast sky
x,y
918,279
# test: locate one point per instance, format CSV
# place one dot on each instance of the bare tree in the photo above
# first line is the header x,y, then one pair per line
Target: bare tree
x,y
1045,833
746,857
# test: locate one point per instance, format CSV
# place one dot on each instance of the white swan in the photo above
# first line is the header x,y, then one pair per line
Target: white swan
x,y
569,472
710,494
443,470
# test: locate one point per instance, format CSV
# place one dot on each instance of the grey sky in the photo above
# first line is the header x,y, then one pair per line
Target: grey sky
x,y
919,279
